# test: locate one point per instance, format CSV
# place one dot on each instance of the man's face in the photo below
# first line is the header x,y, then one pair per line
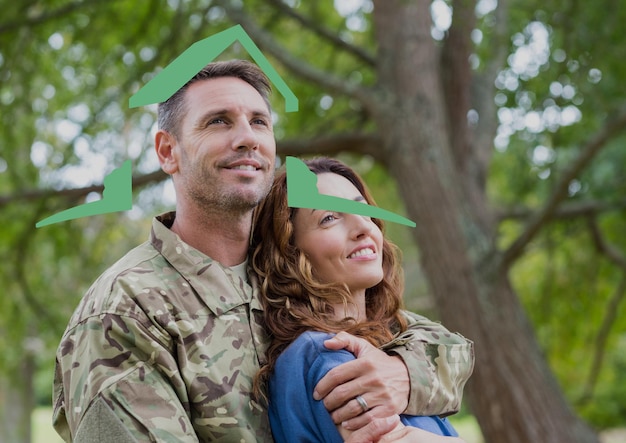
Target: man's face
x,y
226,149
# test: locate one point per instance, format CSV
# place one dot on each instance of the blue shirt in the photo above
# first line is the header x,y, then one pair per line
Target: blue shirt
x,y
295,416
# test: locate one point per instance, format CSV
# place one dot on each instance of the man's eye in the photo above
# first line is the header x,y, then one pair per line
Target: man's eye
x,y
216,121
259,121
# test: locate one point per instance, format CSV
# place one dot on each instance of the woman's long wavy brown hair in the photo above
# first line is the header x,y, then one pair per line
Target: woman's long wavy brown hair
x,y
294,299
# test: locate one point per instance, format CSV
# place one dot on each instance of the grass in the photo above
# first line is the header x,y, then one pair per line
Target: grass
x,y
468,430
43,432
467,427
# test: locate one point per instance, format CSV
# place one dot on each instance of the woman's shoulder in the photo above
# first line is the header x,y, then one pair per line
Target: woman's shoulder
x,y
308,349
308,343
308,356
313,338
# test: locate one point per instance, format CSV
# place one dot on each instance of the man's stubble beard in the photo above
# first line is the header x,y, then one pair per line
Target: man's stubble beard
x,y
211,194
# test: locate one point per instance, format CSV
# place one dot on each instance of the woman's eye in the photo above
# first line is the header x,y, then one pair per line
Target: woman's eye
x,y
327,219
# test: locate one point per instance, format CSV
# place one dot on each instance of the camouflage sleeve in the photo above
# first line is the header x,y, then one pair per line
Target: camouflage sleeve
x,y
439,362
117,380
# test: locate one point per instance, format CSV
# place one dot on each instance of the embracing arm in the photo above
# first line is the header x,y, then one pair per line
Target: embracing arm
x,y
426,368
111,383
439,363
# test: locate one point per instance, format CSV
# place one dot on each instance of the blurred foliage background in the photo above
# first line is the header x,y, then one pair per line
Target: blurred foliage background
x,y
68,68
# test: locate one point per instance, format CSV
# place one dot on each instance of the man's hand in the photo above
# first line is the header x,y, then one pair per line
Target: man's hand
x,y
381,380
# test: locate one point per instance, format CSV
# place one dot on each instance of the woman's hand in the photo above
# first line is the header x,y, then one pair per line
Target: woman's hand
x,y
410,434
388,430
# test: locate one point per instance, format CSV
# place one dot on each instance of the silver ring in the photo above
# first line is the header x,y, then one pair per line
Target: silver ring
x,y
361,401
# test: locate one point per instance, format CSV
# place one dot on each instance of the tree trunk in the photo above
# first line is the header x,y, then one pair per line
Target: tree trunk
x,y
512,392
17,402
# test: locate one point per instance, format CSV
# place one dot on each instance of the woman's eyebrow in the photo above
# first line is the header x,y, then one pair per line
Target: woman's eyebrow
x,y
359,198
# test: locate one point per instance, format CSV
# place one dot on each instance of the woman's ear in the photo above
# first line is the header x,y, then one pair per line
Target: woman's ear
x,y
165,145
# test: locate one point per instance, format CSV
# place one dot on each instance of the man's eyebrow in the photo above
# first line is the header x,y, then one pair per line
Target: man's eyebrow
x,y
261,113
209,115
225,111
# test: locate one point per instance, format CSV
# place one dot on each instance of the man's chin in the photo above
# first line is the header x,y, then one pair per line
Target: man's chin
x,y
243,202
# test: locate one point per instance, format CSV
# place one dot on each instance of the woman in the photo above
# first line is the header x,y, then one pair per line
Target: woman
x,y
323,272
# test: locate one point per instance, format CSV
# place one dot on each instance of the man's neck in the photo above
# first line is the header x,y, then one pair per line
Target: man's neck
x,y
223,237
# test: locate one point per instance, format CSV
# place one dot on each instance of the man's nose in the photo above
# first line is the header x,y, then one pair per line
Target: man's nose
x,y
245,137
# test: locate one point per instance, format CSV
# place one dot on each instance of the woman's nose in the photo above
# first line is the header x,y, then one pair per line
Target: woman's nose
x,y
361,225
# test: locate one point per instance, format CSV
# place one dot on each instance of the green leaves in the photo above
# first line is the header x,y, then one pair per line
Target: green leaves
x,y
68,69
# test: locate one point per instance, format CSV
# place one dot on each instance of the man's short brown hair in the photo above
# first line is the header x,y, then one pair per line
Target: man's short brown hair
x,y
171,112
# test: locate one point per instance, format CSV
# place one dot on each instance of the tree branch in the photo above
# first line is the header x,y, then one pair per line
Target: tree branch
x,y
564,211
366,144
456,76
362,143
297,66
612,308
76,193
45,16
603,247
483,91
323,32
610,316
587,153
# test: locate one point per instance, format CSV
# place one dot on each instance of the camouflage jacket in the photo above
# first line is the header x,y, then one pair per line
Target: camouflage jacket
x,y
440,363
165,345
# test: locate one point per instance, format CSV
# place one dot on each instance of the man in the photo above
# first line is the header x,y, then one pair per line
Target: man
x,y
165,344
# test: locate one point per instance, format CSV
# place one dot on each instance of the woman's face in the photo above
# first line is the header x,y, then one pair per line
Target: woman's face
x,y
341,247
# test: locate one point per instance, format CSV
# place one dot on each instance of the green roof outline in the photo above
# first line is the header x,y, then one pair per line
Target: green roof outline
x,y
162,86
302,193
117,196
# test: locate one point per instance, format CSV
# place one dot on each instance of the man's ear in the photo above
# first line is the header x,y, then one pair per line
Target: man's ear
x,y
164,144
